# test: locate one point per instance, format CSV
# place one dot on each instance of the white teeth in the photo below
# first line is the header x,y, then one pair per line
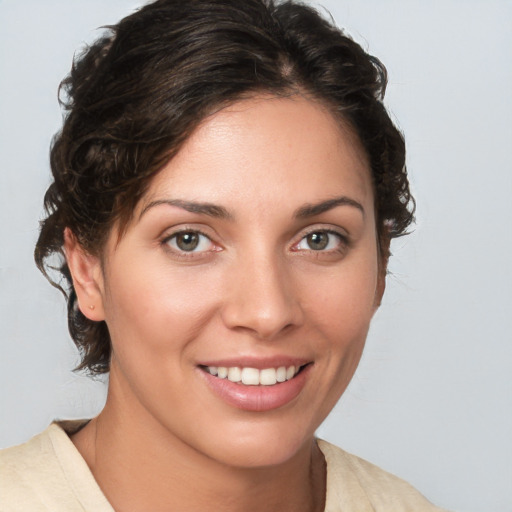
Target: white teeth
x,y
250,376
281,374
235,374
253,376
268,377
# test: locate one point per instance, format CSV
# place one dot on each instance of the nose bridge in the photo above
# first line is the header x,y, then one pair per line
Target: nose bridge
x,y
261,296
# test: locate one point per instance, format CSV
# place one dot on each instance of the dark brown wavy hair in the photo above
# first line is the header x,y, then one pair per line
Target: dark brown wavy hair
x,y
135,95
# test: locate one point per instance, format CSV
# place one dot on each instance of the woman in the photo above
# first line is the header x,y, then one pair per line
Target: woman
x,y
226,186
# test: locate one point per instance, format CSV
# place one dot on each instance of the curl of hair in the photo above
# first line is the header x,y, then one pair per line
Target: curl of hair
x,y
135,95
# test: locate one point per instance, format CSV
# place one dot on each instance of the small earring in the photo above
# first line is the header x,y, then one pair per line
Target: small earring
x,y
92,306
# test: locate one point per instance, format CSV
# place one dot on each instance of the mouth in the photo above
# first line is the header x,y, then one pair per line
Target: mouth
x,y
247,376
257,384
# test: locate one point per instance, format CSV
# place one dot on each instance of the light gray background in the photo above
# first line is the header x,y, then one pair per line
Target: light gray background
x,y
432,399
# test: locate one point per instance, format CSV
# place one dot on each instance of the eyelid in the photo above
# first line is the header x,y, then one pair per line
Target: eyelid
x,y
174,232
345,240
342,233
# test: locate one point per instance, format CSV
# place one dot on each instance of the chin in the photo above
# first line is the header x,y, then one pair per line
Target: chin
x,y
258,445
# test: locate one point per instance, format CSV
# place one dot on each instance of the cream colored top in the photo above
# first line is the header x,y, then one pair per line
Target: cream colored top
x,y
48,474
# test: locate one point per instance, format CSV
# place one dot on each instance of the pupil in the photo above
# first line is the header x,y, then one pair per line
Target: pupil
x,y
187,241
318,241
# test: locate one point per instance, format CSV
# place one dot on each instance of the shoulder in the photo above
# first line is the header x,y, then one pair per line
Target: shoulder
x,y
44,474
356,484
25,470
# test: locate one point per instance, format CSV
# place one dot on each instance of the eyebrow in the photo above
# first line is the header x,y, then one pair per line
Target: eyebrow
x,y
210,209
219,212
310,210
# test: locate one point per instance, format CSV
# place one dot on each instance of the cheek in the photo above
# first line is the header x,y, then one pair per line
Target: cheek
x,y
342,302
154,307
339,307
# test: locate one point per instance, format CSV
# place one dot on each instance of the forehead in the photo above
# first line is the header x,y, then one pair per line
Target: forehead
x,y
291,149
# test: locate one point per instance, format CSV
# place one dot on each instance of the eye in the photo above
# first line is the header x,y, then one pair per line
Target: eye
x,y
190,241
321,240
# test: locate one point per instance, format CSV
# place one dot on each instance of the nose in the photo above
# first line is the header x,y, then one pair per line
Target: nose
x,y
262,298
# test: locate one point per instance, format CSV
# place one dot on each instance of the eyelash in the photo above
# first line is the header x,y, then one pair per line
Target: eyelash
x,y
165,242
344,243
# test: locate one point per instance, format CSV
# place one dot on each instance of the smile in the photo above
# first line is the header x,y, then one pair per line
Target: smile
x,y
257,389
252,376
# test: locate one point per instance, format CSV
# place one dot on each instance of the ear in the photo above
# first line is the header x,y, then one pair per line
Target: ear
x,y
87,277
381,286
383,258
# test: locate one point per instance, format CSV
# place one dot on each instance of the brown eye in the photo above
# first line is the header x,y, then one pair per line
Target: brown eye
x,y
187,241
321,240
190,241
318,241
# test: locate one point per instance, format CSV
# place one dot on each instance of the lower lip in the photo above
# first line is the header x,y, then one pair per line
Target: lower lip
x,y
257,398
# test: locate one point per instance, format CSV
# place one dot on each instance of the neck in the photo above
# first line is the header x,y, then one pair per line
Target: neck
x,y
141,466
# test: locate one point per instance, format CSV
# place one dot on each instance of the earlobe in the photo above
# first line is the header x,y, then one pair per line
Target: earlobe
x,y
87,277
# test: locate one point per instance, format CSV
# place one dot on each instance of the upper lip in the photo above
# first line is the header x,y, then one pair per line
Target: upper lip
x,y
260,363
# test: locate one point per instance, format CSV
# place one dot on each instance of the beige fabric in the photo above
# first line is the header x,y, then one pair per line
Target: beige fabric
x,y
48,474
356,485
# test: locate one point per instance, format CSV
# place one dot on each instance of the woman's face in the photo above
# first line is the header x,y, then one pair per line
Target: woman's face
x,y
252,254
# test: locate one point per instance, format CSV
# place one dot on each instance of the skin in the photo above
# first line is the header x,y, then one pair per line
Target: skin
x,y
254,287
